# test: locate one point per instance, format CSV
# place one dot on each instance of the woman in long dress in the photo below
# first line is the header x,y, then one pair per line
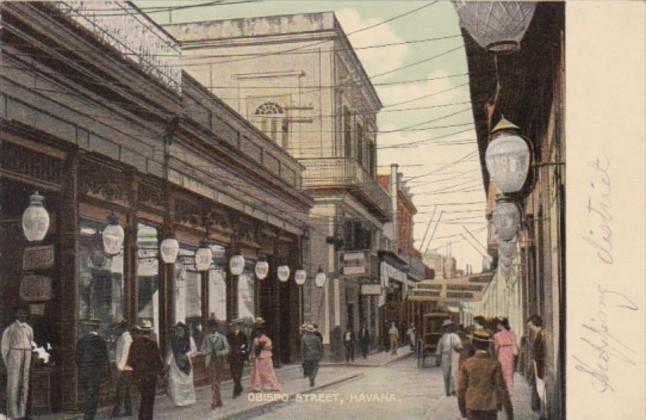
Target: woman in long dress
x,y
506,348
180,379
449,349
263,376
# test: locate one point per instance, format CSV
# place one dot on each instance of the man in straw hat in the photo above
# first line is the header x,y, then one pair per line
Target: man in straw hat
x,y
311,352
448,350
481,390
215,347
124,381
146,362
93,362
239,353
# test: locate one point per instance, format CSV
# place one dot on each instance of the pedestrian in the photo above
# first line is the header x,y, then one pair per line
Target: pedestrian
x,y
180,368
263,376
16,355
124,372
449,348
481,389
348,343
147,364
238,355
364,340
215,347
535,325
506,349
317,332
311,352
393,337
93,362
411,333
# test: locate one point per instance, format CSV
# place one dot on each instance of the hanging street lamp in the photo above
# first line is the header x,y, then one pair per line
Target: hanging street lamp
x,y
506,219
169,249
113,236
236,264
283,272
261,269
203,257
35,219
498,26
508,157
320,278
300,276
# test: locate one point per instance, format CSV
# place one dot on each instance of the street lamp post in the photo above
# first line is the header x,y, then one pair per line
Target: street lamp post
x,y
300,276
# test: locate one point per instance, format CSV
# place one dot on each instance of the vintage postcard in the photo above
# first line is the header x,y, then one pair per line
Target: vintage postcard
x,y
322,209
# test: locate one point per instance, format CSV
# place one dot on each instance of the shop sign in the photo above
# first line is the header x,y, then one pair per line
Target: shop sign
x,y
355,263
371,289
35,288
38,258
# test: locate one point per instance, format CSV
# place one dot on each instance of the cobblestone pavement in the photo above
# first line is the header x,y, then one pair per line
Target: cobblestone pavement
x,y
398,391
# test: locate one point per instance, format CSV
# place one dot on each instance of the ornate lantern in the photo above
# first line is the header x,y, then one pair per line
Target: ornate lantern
x,y
113,236
236,264
35,219
320,278
507,157
498,26
262,269
169,249
506,219
283,272
507,249
203,257
300,276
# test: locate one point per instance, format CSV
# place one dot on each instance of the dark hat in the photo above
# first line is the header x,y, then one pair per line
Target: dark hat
x,y
120,324
238,321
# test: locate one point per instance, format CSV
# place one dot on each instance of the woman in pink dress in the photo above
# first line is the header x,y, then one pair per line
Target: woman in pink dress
x,y
506,348
263,376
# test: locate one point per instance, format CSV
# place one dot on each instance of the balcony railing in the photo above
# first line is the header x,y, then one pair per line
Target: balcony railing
x,y
347,173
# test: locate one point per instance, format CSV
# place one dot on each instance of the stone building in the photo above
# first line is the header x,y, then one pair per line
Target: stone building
x,y
297,78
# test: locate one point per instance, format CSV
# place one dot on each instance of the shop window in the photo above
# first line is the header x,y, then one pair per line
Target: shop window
x,y
217,284
148,274
247,291
101,282
188,292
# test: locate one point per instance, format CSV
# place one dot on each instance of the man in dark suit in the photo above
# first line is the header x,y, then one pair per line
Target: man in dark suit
x,y
93,361
348,342
481,390
239,353
364,340
146,363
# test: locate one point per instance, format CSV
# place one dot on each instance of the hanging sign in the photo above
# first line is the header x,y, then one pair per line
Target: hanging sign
x,y
38,258
35,288
371,289
355,263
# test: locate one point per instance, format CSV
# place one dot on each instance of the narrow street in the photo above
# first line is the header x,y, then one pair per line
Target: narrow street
x,y
412,393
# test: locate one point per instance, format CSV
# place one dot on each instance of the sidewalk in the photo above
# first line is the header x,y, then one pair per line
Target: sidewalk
x,y
246,405
381,358
446,408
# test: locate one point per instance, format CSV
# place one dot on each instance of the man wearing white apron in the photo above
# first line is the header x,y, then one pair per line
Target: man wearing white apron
x,y
16,355
448,349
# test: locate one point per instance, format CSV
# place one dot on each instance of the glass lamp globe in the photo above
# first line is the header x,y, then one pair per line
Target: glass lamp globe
x,y
283,272
262,269
113,236
506,219
507,157
203,257
169,249
507,248
300,276
35,219
320,278
236,264
498,26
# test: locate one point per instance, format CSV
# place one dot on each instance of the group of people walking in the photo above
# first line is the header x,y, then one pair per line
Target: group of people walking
x,y
479,367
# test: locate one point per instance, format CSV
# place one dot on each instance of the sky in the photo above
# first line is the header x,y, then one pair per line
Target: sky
x,y
444,181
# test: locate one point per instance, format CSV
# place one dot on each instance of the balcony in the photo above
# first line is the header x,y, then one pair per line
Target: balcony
x,y
345,173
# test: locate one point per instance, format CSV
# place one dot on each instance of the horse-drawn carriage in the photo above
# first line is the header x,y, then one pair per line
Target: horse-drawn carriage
x,y
427,316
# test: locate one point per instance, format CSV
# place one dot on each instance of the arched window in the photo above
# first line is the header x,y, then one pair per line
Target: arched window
x,y
271,115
